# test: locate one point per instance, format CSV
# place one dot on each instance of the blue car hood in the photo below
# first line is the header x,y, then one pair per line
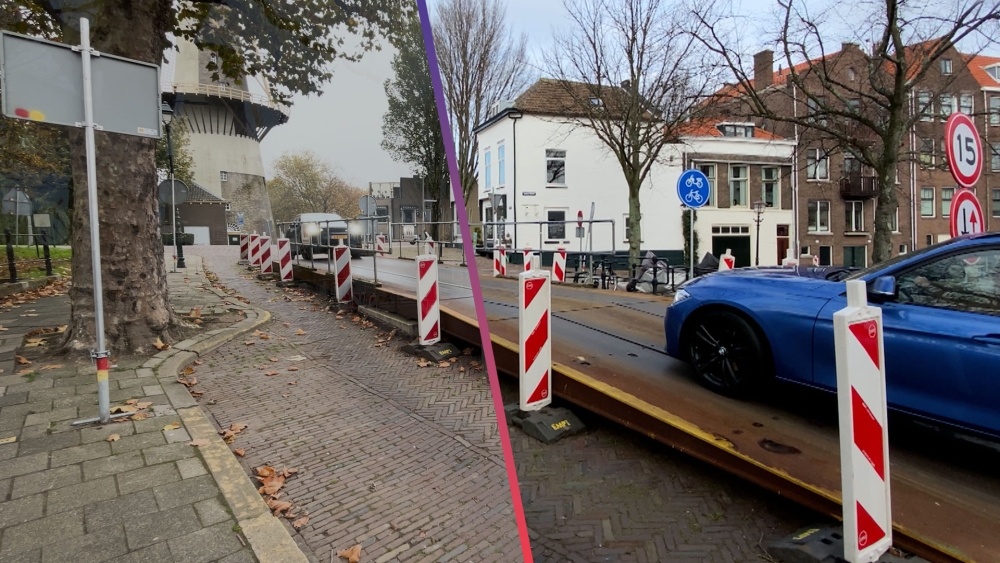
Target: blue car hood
x,y
797,280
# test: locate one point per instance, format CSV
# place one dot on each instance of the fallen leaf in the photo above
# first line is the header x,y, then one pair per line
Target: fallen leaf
x,y
188,370
301,522
279,506
443,364
131,401
249,343
299,332
172,426
144,404
286,325
353,555
236,427
453,360
285,395
274,359
240,452
188,382
198,362
160,345
265,336
293,368
196,393
293,382
139,416
113,438
123,408
461,370
271,485
265,471
198,443
195,312
61,328
271,373
289,472
22,360
297,358
33,340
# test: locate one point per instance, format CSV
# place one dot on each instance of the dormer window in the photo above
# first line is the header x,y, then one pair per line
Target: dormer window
x,y
596,103
946,66
736,129
994,72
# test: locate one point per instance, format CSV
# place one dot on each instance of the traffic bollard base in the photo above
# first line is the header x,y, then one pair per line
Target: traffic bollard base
x,y
548,425
820,544
437,352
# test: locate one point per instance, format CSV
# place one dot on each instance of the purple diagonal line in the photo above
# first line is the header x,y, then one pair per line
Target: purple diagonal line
x,y
477,292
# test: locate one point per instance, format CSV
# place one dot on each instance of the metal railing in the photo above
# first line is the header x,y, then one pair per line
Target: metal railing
x,y
229,92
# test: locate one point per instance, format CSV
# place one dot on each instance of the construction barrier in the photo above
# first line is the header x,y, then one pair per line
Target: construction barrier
x,y
265,254
344,282
380,244
529,259
534,339
430,247
727,261
559,266
254,249
428,300
244,249
284,259
864,438
500,261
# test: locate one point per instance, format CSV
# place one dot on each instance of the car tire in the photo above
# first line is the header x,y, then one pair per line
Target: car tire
x,y
307,254
728,353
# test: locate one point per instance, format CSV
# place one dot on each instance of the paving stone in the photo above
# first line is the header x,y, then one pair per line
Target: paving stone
x,y
31,535
178,435
170,452
79,454
131,383
157,553
74,381
8,451
191,467
40,383
19,511
143,373
205,545
89,400
120,509
19,412
122,395
147,477
138,442
45,480
211,511
188,491
112,464
94,547
101,433
75,496
34,432
13,399
25,464
33,556
5,488
119,374
148,390
155,423
49,443
159,526
242,556
40,395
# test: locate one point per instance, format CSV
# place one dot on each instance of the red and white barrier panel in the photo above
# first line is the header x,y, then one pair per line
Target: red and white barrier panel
x,y
254,249
430,247
559,266
284,259
864,437
380,244
244,249
344,282
429,313
500,261
534,339
265,255
790,260
727,261
529,258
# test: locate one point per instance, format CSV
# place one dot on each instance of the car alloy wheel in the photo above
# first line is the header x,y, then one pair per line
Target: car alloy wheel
x,y
726,352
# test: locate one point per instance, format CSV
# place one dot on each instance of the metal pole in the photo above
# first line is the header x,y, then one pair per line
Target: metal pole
x,y
374,227
691,241
173,194
101,354
756,260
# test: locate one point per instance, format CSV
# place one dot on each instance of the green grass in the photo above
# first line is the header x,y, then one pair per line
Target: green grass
x,y
35,269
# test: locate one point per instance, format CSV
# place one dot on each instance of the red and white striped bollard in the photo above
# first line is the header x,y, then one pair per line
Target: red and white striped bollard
x,y
284,259
559,266
534,325
265,254
380,244
254,249
500,261
429,245
864,437
428,300
344,283
244,249
529,258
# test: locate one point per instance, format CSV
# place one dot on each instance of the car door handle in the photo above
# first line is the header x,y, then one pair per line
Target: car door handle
x,y
988,339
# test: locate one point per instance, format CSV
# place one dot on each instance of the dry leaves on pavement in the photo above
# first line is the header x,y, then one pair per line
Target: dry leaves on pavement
x,y
198,443
160,345
22,360
172,426
240,452
54,366
300,332
353,554
113,438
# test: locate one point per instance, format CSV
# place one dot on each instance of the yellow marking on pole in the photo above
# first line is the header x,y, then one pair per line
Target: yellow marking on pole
x,y
102,375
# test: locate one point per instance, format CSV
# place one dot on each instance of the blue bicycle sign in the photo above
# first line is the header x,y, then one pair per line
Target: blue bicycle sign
x,y
693,189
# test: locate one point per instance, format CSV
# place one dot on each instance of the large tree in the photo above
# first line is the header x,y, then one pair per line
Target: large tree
x,y
481,62
183,160
635,77
861,102
411,131
304,183
289,44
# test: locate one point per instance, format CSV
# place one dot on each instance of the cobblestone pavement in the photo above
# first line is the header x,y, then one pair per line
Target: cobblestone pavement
x,y
405,461
609,494
71,494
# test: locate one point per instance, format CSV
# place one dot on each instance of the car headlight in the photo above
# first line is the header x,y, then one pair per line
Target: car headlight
x,y
681,295
355,229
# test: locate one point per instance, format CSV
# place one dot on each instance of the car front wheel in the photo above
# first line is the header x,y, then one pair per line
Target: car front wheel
x,y
728,354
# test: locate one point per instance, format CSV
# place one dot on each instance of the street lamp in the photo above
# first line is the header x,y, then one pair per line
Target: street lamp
x,y
758,208
168,116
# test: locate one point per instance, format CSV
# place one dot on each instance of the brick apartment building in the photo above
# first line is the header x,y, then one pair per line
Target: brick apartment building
x,y
835,197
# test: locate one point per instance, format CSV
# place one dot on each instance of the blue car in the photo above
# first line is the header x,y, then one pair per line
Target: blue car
x,y
940,305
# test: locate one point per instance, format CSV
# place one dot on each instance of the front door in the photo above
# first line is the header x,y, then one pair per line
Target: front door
x,y
737,244
782,242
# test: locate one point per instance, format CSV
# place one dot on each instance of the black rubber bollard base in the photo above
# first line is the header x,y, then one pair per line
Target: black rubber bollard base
x,y
439,352
548,425
821,544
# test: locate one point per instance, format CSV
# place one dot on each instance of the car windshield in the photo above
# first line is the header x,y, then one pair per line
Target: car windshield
x,y
894,260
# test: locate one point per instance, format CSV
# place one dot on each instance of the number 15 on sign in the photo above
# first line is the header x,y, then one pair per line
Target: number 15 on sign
x,y
964,149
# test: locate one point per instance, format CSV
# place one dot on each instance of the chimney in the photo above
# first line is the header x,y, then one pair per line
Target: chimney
x,y
847,45
763,69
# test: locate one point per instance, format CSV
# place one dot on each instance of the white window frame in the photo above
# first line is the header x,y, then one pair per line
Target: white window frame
x,y
950,104
229,206
764,181
852,224
553,157
933,202
926,159
820,203
550,239
487,170
951,191
746,184
711,180
946,67
501,165
994,110
995,203
813,165
971,105
223,176
925,106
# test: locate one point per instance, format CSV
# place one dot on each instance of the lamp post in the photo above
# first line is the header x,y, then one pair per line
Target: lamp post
x,y
168,116
758,208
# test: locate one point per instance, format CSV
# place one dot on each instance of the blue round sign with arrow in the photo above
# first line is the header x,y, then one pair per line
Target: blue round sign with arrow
x,y
693,189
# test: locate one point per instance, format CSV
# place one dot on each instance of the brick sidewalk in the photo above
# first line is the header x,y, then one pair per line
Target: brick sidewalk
x,y
404,460
69,494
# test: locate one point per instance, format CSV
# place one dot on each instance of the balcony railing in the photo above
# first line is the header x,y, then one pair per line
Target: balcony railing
x,y
857,186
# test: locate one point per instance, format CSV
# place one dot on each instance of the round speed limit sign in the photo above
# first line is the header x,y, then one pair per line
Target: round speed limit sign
x,y
964,149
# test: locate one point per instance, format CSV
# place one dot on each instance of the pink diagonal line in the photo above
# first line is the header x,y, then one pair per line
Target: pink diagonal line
x,y
477,292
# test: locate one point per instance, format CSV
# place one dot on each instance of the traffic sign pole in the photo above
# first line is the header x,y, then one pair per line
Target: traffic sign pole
x,y
694,192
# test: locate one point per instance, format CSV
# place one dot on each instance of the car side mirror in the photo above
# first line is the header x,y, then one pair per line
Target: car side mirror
x,y
883,289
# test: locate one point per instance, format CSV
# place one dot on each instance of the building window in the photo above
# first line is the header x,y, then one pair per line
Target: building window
x,y
947,102
946,195
995,157
926,202
852,166
229,207
854,218
555,167
945,66
556,230
996,203
738,184
825,255
487,180
814,109
819,216
382,211
894,221
965,104
709,171
224,176
855,256
409,214
737,130
924,106
902,249
817,165
501,166
994,110
926,152
854,106
772,187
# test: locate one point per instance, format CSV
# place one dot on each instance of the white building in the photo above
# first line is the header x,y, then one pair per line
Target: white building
x,y
537,163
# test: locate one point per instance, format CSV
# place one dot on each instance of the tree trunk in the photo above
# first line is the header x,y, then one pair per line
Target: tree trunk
x,y
634,227
136,310
885,210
